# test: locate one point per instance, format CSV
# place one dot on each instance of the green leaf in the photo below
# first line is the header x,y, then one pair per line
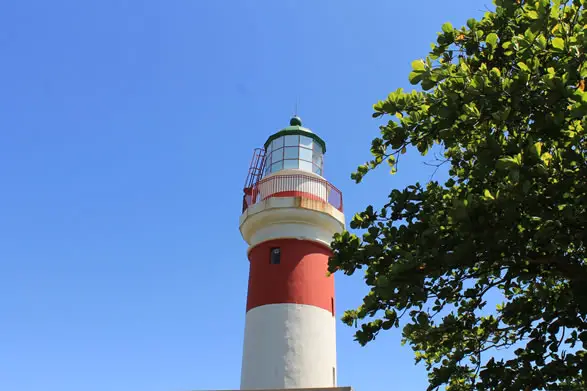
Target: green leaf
x,y
536,149
415,77
427,84
506,163
558,43
418,71
523,67
447,27
532,15
491,40
418,66
422,318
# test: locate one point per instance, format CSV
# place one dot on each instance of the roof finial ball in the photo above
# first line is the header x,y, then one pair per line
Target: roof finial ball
x,y
295,121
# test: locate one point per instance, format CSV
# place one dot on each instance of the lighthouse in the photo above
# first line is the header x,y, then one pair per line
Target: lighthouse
x,y
290,214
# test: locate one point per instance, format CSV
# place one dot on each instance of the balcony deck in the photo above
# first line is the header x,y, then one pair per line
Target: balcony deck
x,y
293,185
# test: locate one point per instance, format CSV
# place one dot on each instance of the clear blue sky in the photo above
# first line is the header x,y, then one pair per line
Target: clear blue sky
x,y
126,133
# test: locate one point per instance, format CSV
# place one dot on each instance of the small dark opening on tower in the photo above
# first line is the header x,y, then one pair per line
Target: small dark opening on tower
x,y
275,258
332,305
334,376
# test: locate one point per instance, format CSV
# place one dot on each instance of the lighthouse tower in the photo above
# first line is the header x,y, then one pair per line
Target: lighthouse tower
x,y
290,214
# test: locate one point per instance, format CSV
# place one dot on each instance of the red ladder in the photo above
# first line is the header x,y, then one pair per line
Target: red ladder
x,y
256,168
255,173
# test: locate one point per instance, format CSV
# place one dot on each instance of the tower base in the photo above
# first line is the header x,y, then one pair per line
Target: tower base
x,y
289,346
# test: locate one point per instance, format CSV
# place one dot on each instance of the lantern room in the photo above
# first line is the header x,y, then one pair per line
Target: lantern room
x,y
294,148
291,164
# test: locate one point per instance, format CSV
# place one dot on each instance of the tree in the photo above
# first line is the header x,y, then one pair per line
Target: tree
x,y
504,99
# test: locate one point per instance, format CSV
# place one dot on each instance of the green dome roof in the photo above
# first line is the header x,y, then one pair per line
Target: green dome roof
x,y
295,127
295,121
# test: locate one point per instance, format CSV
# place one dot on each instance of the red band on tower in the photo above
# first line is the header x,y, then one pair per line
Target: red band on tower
x,y
299,277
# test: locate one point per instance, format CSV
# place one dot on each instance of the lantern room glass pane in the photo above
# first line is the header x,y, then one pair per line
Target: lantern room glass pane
x,y
291,153
277,166
277,155
292,140
290,164
317,158
306,166
277,143
316,170
306,141
318,148
306,154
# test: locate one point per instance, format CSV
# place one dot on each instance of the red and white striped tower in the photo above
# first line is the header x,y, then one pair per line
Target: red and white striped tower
x,y
290,213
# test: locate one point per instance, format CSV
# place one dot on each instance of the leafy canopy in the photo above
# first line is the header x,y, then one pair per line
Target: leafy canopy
x,y
504,97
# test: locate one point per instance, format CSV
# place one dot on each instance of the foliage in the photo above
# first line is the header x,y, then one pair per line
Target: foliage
x,y
504,97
